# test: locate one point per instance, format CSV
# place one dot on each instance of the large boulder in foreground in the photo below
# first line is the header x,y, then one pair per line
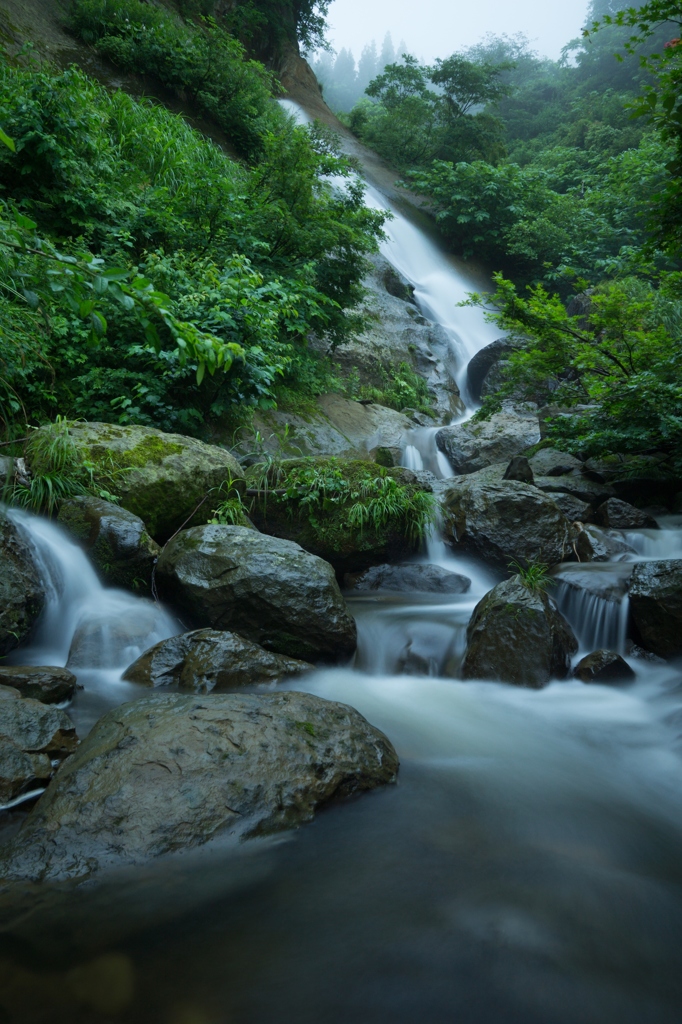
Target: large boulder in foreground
x,y
209,659
517,636
408,577
116,541
32,736
474,445
172,771
656,606
48,684
500,520
162,478
268,590
22,594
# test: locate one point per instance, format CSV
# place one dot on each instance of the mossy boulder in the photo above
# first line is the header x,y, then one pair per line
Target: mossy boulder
x,y
500,520
209,659
173,771
22,594
349,512
268,590
116,541
516,635
162,478
656,606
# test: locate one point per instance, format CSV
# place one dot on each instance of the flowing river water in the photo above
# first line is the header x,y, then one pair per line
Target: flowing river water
x,y
527,866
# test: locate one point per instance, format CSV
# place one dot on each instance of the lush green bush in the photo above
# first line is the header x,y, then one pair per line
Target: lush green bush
x,y
245,262
617,370
341,504
201,62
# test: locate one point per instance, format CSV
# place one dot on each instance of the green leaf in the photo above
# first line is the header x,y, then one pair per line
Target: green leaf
x,y
5,139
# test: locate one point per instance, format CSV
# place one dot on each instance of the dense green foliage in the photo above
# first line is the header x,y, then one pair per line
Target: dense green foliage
x,y
412,124
178,259
342,501
616,369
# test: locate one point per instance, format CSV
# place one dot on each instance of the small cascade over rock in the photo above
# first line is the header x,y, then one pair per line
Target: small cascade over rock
x,y
83,623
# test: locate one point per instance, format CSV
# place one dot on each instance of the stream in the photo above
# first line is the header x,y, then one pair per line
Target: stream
x,y
527,866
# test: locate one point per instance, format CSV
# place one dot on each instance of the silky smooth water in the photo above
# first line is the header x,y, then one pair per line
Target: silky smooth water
x,y
525,869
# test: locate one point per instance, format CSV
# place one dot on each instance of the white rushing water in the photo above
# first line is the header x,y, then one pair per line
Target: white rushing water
x,y
95,631
527,866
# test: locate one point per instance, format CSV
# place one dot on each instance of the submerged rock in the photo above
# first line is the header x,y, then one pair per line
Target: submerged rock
x,y
45,683
517,636
31,737
209,659
268,590
174,771
409,577
656,606
603,667
116,541
500,520
620,515
162,478
22,594
473,445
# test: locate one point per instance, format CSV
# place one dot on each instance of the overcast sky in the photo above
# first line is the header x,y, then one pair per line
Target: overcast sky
x,y
435,28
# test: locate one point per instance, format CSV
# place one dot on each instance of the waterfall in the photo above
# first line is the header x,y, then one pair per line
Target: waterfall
x,y
599,624
113,626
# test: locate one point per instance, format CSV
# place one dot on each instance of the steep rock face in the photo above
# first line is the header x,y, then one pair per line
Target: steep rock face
x,y
472,446
268,590
656,606
208,659
22,594
517,636
116,540
173,771
161,478
410,578
500,520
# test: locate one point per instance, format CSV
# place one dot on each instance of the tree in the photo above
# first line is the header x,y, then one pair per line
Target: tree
x,y
466,84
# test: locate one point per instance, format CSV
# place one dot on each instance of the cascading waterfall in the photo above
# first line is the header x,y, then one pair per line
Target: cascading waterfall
x,y
97,631
525,869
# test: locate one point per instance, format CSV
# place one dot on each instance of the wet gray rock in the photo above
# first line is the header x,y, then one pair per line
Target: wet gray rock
x,y
620,515
116,541
500,520
32,735
173,771
550,462
409,577
473,445
268,590
576,510
656,606
208,659
45,683
519,469
603,667
592,544
517,636
482,363
162,478
577,485
22,594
